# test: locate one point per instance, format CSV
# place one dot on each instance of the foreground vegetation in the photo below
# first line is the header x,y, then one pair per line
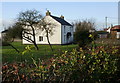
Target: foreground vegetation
x,y
91,64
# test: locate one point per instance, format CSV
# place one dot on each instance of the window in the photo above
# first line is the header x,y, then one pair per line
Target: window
x,y
64,29
40,38
64,38
71,28
29,37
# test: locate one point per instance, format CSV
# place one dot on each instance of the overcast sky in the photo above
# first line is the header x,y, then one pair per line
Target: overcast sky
x,y
70,10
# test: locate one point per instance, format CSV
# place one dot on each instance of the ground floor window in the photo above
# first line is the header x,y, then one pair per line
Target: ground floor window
x,y
29,37
64,38
40,38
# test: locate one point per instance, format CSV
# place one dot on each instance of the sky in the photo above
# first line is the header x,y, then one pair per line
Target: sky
x,y
72,11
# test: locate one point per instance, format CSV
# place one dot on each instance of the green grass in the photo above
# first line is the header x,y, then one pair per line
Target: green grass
x,y
10,55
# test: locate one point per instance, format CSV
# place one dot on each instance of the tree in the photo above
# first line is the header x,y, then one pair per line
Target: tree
x,y
48,29
82,31
14,31
29,19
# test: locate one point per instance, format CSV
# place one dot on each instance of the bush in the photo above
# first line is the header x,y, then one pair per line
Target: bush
x,y
92,65
4,43
82,29
82,38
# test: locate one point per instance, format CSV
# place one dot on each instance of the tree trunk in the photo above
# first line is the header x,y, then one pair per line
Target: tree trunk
x,y
49,42
35,45
12,40
34,40
14,48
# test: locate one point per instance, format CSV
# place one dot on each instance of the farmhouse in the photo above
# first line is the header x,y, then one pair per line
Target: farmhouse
x,y
62,32
3,34
114,31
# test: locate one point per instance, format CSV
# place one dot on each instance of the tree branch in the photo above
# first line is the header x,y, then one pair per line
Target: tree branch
x,y
27,39
28,33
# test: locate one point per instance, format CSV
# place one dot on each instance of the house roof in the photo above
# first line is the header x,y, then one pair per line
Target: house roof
x,y
102,32
4,31
116,27
61,20
106,29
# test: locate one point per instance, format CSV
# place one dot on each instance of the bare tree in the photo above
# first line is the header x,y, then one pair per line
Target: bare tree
x,y
48,29
29,19
84,25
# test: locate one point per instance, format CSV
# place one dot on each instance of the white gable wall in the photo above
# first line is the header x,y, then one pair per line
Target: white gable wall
x,y
54,39
109,30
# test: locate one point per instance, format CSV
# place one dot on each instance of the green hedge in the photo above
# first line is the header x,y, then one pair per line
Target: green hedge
x,y
92,65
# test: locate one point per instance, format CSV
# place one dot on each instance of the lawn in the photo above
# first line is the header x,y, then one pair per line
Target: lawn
x,y
10,55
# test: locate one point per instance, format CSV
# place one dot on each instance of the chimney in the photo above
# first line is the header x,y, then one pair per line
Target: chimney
x,y
62,16
48,13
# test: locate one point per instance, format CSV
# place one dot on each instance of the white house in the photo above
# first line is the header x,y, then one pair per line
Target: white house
x,y
62,34
114,31
0,36
3,34
108,30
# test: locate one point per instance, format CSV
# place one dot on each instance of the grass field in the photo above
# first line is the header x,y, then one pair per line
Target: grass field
x,y
10,55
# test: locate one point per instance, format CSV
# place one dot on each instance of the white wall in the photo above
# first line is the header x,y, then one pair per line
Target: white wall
x,y
54,39
0,36
26,42
118,35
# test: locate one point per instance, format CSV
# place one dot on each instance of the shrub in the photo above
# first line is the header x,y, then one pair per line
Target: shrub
x,y
82,38
82,31
4,43
94,64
